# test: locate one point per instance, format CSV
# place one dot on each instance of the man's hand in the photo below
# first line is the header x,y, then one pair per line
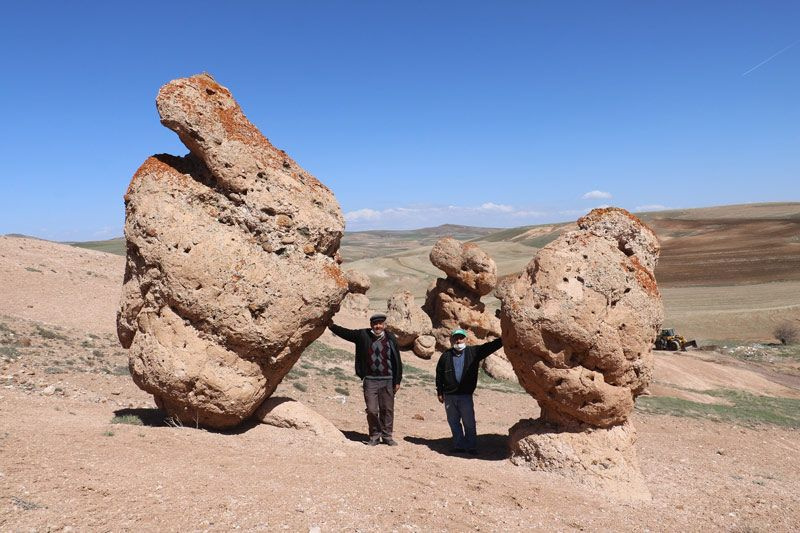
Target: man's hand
x,y
396,388
441,398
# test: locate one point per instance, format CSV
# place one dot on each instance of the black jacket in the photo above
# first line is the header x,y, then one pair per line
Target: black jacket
x,y
446,373
362,338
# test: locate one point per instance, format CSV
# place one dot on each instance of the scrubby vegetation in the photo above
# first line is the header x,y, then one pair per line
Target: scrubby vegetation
x,y
743,408
787,333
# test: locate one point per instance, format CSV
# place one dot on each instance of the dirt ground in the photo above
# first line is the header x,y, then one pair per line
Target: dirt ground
x,y
83,449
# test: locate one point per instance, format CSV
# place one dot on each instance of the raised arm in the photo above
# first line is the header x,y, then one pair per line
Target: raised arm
x,y
488,348
347,334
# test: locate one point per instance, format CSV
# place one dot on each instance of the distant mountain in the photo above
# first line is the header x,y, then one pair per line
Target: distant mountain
x,y
734,244
378,243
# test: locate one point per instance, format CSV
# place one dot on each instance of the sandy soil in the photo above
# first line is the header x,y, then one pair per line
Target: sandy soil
x,y
65,465
57,284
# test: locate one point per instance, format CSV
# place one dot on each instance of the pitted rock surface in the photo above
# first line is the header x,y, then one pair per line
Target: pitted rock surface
x,y
466,263
230,271
579,323
405,319
604,459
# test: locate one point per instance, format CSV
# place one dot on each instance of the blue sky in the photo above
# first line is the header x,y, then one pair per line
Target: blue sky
x,y
415,114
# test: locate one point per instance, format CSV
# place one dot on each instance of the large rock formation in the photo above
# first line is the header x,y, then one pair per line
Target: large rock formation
x,y
230,261
578,326
455,301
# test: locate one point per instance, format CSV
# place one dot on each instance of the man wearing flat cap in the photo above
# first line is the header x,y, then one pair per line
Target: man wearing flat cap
x,y
456,379
378,364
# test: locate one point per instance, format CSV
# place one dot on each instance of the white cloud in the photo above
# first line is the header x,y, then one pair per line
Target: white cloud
x,y
490,206
362,214
596,195
486,214
650,207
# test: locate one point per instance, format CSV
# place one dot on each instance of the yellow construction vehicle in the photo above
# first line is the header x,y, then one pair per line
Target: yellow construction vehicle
x,y
667,340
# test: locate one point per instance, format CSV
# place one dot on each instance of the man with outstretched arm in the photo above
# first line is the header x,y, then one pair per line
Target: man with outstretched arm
x,y
456,378
379,365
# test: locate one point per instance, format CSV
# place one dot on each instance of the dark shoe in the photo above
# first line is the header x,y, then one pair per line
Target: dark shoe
x,y
456,450
373,441
389,441
472,451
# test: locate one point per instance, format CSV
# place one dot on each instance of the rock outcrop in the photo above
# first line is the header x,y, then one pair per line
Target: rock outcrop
x,y
455,301
230,261
578,325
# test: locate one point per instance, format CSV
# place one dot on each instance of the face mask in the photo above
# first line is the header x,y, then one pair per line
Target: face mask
x,y
460,346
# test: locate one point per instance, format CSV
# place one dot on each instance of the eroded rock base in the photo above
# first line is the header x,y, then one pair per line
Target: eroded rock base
x,y
604,459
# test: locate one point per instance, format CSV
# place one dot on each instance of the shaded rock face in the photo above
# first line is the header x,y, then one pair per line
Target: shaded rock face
x,y
578,324
230,271
405,319
455,301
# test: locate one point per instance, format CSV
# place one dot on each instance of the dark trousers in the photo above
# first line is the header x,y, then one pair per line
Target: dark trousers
x,y
460,409
379,397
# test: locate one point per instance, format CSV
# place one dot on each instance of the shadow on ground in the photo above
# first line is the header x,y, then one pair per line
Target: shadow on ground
x,y
151,417
491,447
154,417
355,436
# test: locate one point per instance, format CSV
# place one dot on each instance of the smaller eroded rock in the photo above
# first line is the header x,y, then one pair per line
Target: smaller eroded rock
x,y
289,413
425,346
405,319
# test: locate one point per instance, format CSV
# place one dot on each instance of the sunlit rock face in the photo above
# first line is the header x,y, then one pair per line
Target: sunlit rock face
x,y
230,261
578,325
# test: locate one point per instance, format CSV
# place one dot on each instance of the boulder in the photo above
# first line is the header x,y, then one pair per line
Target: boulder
x,y
579,323
230,268
424,346
465,263
291,414
405,319
357,282
498,366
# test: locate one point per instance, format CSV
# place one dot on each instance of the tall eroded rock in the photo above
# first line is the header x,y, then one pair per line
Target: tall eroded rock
x,y
578,325
455,301
230,261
